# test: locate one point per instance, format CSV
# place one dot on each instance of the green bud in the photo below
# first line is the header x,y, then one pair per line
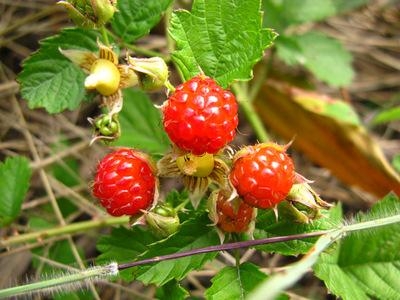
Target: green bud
x,y
106,126
304,203
162,221
103,10
90,13
152,72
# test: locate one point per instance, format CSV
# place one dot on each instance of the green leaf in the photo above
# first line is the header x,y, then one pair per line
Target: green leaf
x,y
284,13
386,116
235,282
141,124
323,56
281,14
49,79
335,109
222,38
15,174
366,264
266,226
135,18
195,233
171,291
124,245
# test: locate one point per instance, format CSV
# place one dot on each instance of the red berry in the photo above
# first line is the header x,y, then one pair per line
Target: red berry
x,y
233,215
200,116
262,174
124,182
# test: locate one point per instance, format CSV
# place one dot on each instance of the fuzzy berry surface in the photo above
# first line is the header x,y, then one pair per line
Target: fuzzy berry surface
x,y
233,215
124,182
200,116
262,174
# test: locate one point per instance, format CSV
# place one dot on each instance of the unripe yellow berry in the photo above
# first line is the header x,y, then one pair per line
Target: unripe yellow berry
x,y
104,77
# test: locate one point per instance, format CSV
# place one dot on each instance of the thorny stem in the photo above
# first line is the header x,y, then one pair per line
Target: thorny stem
x,y
242,95
87,275
327,238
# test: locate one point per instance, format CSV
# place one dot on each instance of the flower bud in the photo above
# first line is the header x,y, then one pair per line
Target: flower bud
x,y
163,220
304,203
89,13
152,72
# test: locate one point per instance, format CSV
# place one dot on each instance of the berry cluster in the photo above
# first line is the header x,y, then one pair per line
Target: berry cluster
x,y
200,119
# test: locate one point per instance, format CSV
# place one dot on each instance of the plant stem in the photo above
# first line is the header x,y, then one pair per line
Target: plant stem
x,y
372,223
223,247
242,96
170,41
67,229
104,33
281,281
272,287
137,49
261,76
49,285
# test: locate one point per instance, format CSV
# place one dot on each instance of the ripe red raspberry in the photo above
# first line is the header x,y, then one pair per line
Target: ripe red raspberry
x,y
200,116
233,215
262,174
124,182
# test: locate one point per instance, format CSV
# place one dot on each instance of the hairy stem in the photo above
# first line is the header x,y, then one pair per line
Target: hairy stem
x,y
272,287
51,285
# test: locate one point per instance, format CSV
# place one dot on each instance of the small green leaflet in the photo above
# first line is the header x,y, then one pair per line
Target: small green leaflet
x,y
387,115
325,57
124,245
171,291
223,38
194,233
335,109
235,282
266,226
281,14
135,18
49,79
15,175
366,264
141,124
284,13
